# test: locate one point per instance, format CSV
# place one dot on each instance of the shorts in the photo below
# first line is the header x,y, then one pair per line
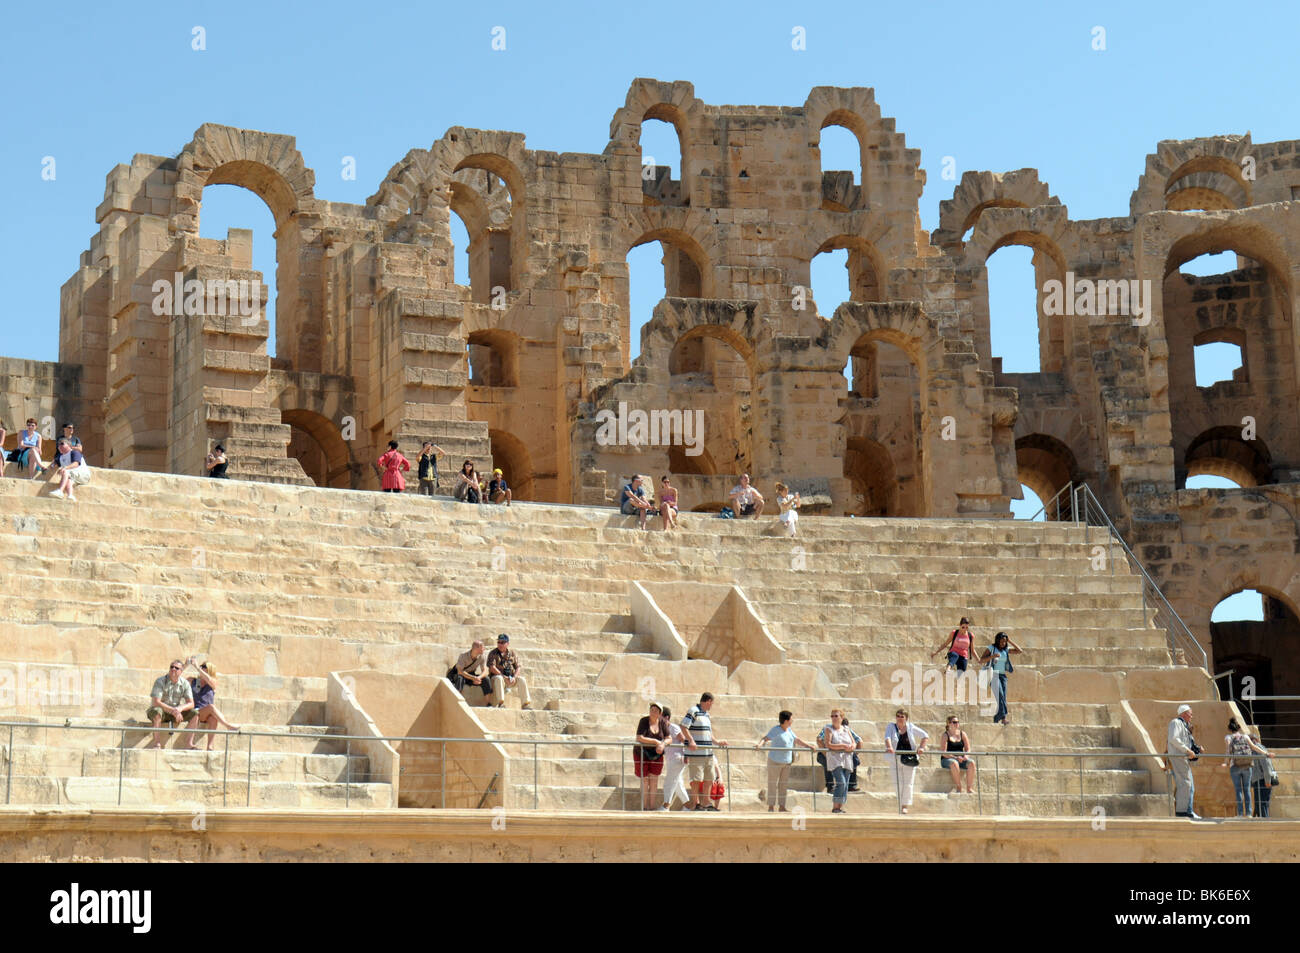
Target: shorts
x,y
645,768
167,716
949,762
958,660
80,476
701,769
748,509
629,510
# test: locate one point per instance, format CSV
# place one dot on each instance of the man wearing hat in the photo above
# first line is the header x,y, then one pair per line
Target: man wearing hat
x,y
498,489
1182,750
504,667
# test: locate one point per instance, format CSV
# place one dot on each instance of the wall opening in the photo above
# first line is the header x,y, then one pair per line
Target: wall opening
x,y
493,359
1257,635
1220,355
225,207
1028,507
1013,309
1222,452
661,163
511,456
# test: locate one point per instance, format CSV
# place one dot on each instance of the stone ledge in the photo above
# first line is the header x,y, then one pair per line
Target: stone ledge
x,y
464,835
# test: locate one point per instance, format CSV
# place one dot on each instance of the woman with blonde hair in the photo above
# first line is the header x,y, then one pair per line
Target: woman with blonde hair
x,y
839,759
789,504
205,711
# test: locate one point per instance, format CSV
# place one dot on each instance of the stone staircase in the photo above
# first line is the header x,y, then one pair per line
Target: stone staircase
x,y
280,585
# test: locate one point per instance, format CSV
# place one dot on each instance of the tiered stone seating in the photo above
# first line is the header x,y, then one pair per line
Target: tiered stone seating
x,y
281,585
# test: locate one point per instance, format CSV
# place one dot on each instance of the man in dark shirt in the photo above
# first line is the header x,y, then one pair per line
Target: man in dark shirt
x,y
428,468
503,665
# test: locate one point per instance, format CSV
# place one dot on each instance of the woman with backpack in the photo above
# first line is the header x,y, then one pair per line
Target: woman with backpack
x,y
998,658
1240,761
960,646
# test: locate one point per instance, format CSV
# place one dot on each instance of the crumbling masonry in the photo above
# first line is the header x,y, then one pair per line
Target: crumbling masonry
x,y
376,341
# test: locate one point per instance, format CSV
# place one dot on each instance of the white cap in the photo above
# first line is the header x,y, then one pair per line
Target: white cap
x,y
1184,709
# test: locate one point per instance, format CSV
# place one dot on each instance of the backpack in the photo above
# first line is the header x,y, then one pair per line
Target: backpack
x,y
727,513
1240,751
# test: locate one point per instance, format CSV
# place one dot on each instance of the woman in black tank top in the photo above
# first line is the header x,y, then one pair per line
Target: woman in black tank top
x,y
960,762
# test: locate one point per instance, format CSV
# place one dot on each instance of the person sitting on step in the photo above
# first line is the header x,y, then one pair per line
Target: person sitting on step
x,y
171,700
506,672
206,713
73,470
498,490
634,502
471,669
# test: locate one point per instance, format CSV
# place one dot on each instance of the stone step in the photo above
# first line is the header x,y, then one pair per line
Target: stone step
x,y
185,795
183,764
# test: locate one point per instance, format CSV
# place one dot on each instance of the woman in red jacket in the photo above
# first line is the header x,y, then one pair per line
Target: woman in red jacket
x,y
391,465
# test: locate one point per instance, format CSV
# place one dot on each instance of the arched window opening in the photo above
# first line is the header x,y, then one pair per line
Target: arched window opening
x,y
1256,635
227,207
1224,452
658,268
661,157
1014,309
842,153
1046,466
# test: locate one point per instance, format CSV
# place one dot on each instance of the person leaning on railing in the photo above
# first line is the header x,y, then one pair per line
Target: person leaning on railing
x,y
780,758
1263,778
1240,762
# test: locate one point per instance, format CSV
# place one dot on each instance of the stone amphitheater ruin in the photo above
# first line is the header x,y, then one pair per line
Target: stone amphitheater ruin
x,y
374,340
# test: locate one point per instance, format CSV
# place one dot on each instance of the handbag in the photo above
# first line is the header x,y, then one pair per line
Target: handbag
x,y
909,759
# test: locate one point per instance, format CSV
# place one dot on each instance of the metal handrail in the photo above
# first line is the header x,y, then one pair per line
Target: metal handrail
x,y
1082,507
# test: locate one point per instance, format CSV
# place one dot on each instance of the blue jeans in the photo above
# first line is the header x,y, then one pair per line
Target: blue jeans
x,y
1241,788
999,686
841,793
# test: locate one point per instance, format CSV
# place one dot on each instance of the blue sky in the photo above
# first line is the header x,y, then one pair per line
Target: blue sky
x,y
996,87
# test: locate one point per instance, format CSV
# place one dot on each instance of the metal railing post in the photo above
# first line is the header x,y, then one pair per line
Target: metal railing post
x,y
347,777
535,777
979,791
442,764
997,786
728,750
225,770
9,767
812,757
1081,808
248,784
622,776
121,766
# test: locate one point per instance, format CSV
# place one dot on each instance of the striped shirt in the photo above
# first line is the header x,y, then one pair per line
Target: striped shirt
x,y
701,729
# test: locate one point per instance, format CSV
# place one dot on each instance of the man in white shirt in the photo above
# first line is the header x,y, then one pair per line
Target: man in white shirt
x,y
1182,753
747,500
